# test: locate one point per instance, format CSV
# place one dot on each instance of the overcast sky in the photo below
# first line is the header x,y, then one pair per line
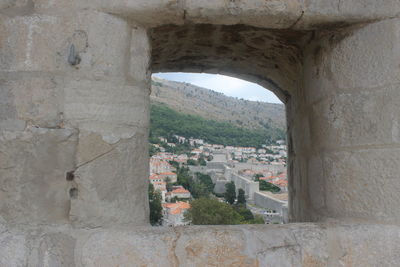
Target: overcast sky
x,y
224,84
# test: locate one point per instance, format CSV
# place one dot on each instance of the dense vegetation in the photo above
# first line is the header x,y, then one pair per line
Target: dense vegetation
x,y
205,209
201,186
265,186
166,122
230,193
155,206
210,211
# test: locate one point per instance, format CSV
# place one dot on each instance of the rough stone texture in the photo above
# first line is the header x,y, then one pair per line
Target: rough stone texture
x,y
351,91
29,99
110,184
65,128
308,245
32,174
269,57
73,139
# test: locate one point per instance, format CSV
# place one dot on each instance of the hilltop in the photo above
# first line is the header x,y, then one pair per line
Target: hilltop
x,y
167,122
190,99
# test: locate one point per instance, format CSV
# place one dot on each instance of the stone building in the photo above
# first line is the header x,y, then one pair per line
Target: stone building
x,y
74,121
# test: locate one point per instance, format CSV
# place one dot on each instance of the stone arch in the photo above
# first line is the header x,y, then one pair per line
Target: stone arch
x,y
41,90
271,58
92,119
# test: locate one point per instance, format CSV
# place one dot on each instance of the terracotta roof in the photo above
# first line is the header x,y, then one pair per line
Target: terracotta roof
x,y
176,208
154,177
180,190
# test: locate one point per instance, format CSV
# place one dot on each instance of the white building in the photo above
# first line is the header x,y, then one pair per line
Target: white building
x,y
179,192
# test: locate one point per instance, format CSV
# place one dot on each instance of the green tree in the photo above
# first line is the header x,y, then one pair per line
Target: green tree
x,y
191,162
245,213
206,180
265,186
165,122
174,164
183,177
257,177
155,206
168,184
241,197
230,193
198,190
202,162
258,219
209,211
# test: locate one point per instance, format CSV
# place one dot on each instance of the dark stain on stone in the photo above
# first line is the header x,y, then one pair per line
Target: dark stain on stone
x,y
258,41
223,50
182,33
73,193
70,176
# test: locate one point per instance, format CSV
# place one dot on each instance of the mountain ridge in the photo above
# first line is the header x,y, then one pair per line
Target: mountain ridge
x,y
195,100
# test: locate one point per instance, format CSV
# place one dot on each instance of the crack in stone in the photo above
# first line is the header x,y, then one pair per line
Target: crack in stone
x,y
173,249
297,20
99,156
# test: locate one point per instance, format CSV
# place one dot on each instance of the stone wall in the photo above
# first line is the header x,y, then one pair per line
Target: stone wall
x,y
74,123
350,150
270,203
251,246
70,134
250,187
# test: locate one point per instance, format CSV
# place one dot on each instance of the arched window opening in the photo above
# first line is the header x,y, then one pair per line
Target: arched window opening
x,y
218,152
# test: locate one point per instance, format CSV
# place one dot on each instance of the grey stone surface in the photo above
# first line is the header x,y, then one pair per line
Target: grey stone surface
x,y
273,245
73,139
109,187
269,57
33,166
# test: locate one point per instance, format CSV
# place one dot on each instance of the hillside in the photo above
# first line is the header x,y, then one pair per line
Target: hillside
x,y
166,122
190,99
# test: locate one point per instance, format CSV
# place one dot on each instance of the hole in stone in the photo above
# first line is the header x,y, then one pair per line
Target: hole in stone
x,y
73,193
70,176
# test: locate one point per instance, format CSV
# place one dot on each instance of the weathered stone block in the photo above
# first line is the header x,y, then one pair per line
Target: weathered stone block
x,y
43,43
121,248
365,245
113,110
90,147
267,14
32,99
140,55
357,119
362,184
316,182
56,249
111,187
33,188
13,249
149,13
367,57
16,7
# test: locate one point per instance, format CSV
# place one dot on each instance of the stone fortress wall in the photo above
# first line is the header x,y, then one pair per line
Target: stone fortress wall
x,y
74,121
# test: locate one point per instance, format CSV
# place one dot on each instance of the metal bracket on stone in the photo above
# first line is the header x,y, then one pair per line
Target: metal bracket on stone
x,y
73,58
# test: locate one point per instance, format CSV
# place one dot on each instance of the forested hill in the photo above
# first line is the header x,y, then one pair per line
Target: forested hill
x,y
166,122
190,99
